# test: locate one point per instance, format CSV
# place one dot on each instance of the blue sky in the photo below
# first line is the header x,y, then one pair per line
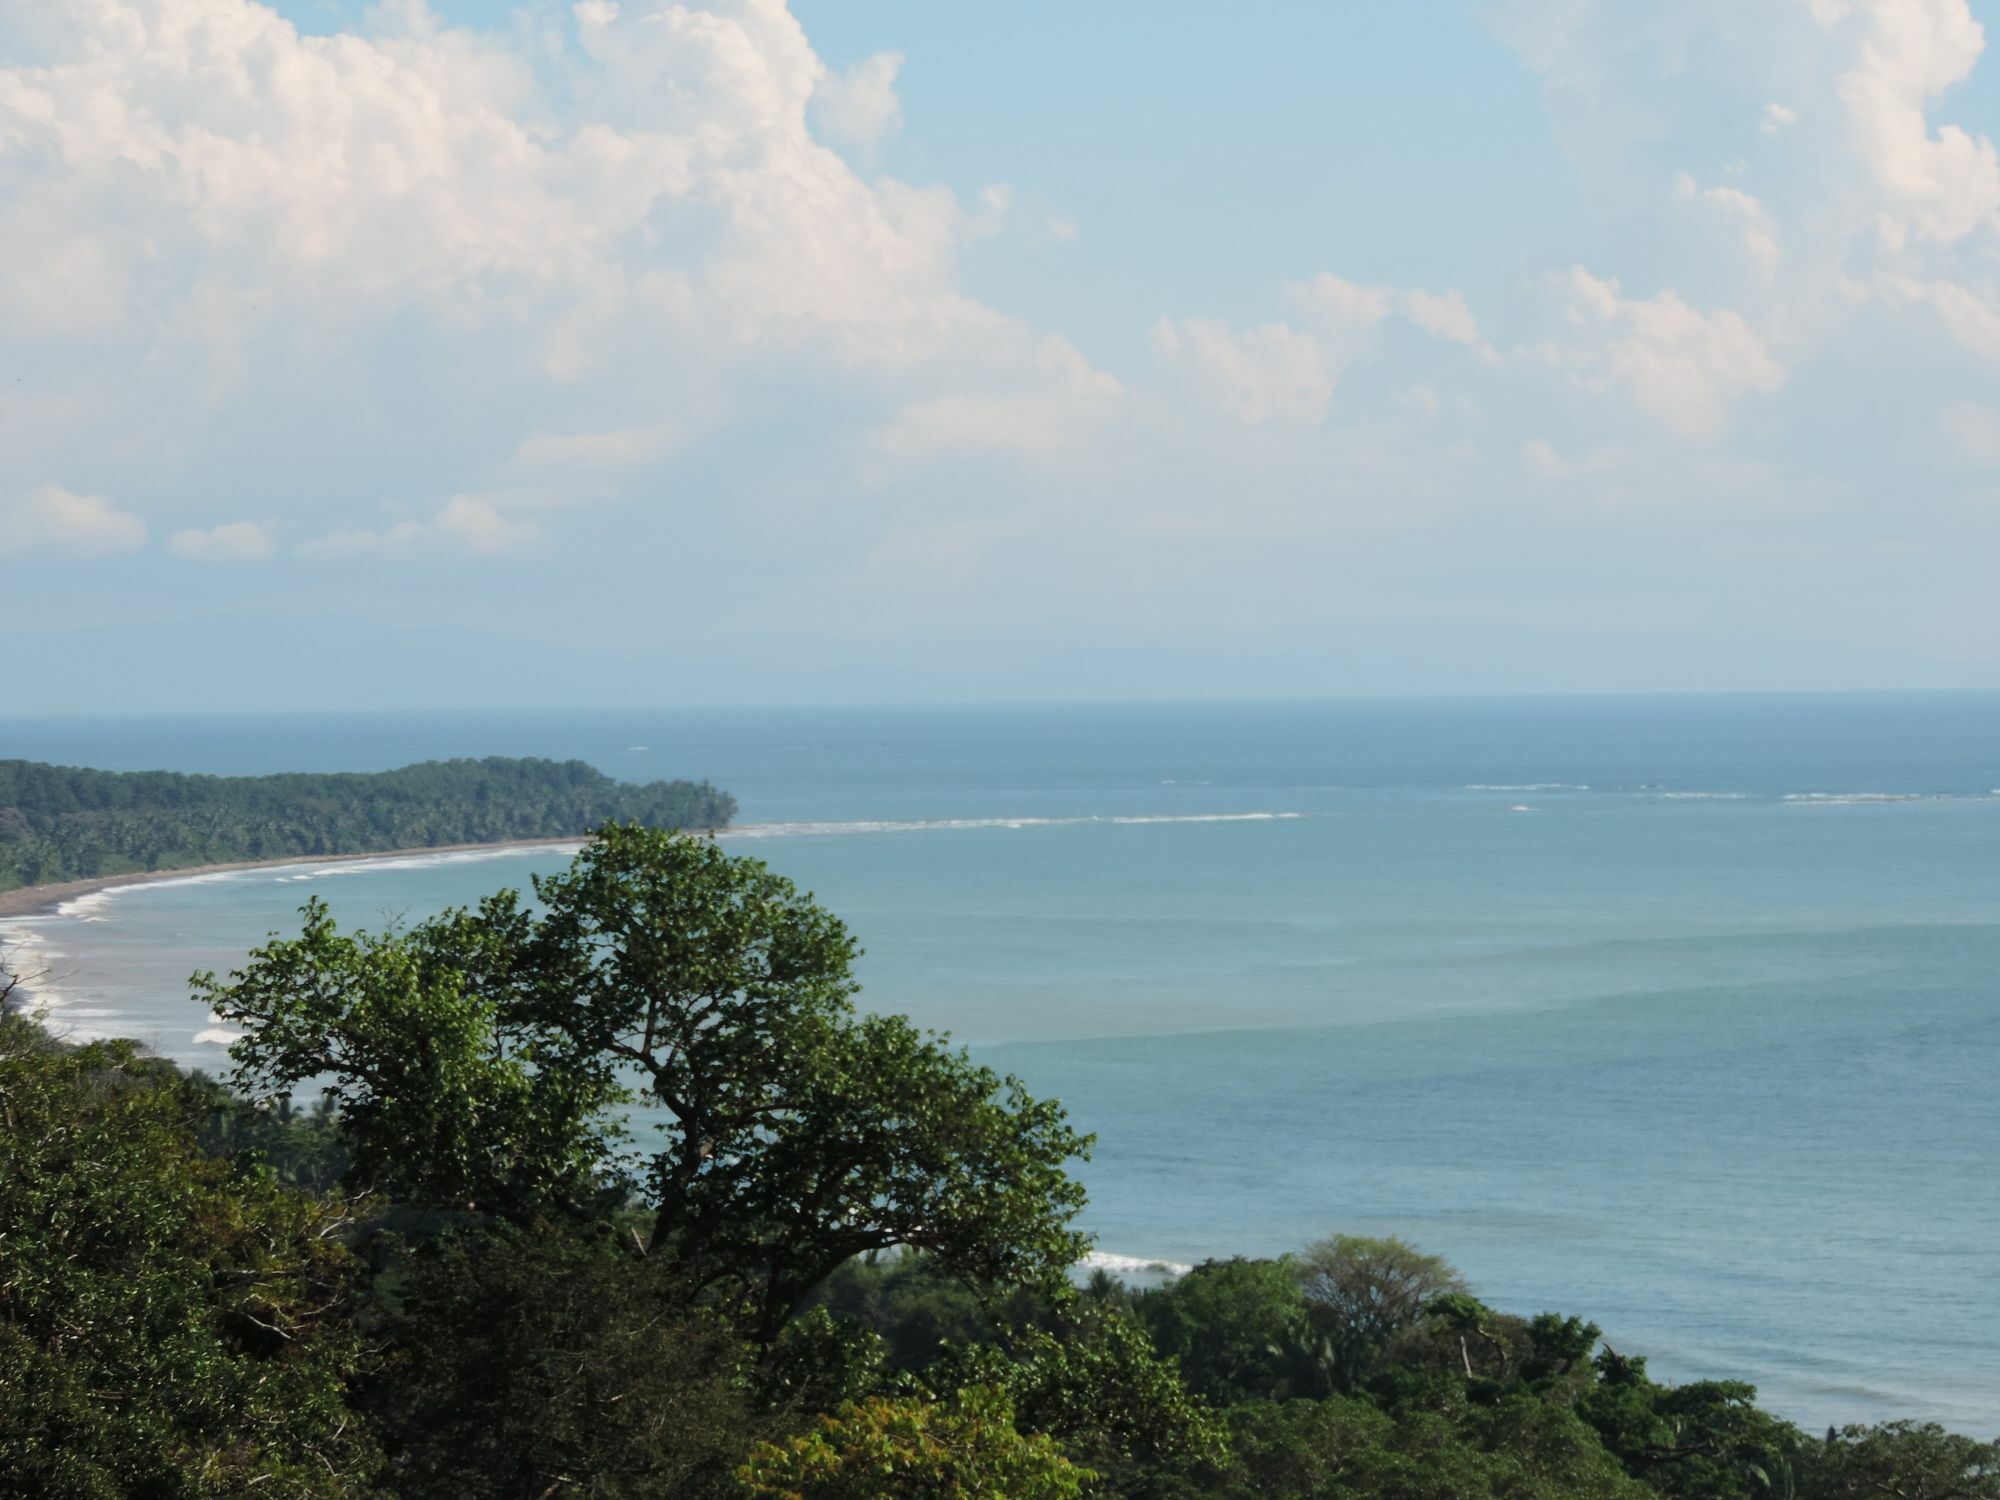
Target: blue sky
x,y
403,355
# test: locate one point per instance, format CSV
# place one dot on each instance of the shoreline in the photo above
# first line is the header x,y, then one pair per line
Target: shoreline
x,y
44,900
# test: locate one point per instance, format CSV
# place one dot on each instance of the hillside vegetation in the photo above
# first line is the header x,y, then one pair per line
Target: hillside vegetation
x,y
64,823
833,1263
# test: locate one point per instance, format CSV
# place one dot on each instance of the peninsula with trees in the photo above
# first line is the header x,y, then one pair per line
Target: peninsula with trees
x,y
62,824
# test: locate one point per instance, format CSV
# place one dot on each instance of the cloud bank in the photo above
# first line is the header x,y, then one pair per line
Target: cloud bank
x,y
626,281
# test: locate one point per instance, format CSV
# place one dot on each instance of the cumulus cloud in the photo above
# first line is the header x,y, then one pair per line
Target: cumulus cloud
x,y
218,211
1969,317
1743,219
1270,373
1443,315
464,523
1282,374
1938,184
859,107
1777,117
52,519
1683,366
234,541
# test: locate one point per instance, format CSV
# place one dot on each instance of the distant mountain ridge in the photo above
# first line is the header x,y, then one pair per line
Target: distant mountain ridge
x,y
60,823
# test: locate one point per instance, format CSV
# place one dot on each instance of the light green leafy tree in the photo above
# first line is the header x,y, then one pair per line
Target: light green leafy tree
x,y
966,1448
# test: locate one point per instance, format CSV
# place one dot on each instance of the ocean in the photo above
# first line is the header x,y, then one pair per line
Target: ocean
x,y
1681,1014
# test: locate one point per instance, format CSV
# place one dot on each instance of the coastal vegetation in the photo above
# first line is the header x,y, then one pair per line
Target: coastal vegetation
x,y
61,823
616,1194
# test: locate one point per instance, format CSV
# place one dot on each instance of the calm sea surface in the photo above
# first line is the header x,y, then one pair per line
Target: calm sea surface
x,y
1681,1014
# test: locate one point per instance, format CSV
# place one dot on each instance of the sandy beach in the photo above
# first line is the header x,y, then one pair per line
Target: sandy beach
x,y
40,900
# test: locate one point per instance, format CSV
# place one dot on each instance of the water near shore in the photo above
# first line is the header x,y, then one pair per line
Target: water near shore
x,y
1678,1013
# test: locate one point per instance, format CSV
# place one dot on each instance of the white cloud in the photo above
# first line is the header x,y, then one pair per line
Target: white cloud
x,y
467,523
1344,313
1683,366
1777,117
50,518
1541,459
1973,432
234,541
1443,315
619,448
1340,311
1966,315
213,207
1938,185
1268,374
1742,217
1280,374
1069,402
859,107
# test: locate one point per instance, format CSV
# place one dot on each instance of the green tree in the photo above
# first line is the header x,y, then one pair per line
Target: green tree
x,y
1707,1440
966,1448
1899,1461
1097,1386
1237,1328
1345,1446
526,1365
485,1061
170,1324
1360,1292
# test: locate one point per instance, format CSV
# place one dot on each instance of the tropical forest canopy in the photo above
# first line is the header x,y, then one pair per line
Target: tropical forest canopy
x,y
839,1269
64,823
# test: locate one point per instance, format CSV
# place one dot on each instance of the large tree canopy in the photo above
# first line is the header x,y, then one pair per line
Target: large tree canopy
x,y
670,1027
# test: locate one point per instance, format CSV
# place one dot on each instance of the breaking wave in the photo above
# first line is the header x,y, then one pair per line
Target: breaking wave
x,y
1131,1265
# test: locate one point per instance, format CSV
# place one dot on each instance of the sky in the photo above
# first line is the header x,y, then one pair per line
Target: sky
x,y
450,355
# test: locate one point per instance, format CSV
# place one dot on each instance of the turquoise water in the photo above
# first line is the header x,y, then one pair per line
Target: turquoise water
x,y
1678,1013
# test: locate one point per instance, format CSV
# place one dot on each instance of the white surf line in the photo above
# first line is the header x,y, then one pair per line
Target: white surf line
x,y
951,825
89,907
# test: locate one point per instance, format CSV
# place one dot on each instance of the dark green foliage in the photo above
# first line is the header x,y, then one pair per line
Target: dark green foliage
x,y
170,1325
482,1064
533,1365
1096,1384
1238,1329
1704,1441
1902,1460
1520,1449
1361,1293
819,1362
916,1306
63,823
441,1104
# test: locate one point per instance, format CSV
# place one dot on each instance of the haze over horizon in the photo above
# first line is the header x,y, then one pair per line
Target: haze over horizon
x,y
601,354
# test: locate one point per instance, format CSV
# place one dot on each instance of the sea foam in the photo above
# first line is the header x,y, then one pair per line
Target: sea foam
x,y
1131,1265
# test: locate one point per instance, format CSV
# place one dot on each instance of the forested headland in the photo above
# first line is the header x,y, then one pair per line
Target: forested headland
x,y
617,1194
60,823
